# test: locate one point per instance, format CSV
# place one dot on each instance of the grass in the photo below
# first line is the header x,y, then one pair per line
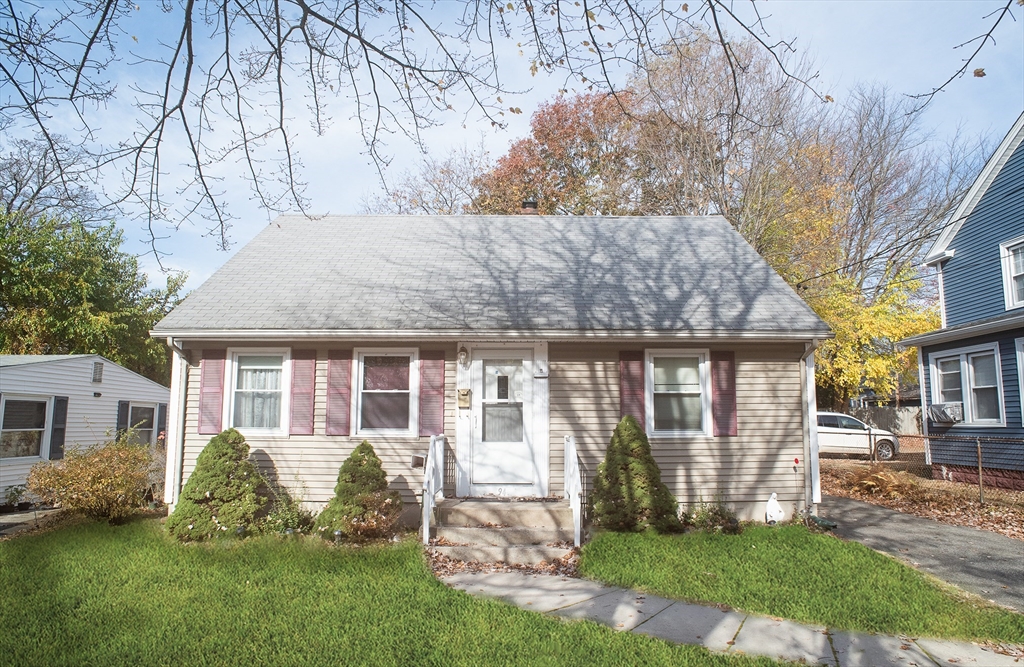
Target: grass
x,y
92,594
789,572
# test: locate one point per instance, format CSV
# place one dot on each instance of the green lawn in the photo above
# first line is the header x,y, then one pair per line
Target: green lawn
x,y
790,572
92,594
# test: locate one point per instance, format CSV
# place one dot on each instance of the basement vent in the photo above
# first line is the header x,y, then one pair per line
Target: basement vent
x,y
97,371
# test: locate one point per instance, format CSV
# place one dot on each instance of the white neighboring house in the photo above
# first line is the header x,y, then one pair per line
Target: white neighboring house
x,y
49,402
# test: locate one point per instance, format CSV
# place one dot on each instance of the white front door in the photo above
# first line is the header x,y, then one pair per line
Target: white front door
x,y
503,459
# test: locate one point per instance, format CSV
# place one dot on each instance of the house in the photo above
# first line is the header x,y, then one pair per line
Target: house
x,y
972,369
507,334
52,401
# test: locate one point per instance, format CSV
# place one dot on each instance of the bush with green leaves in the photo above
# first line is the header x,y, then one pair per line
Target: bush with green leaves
x,y
362,506
628,492
286,512
105,481
713,517
222,493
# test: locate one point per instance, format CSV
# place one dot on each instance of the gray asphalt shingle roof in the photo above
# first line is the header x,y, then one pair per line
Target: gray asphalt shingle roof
x,y
496,273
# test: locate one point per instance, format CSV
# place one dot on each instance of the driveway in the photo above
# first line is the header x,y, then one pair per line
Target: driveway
x,y
980,561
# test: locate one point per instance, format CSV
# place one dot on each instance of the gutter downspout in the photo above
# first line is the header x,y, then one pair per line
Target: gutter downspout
x,y
175,425
812,486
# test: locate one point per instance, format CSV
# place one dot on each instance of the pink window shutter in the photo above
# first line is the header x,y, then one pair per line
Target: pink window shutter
x,y
339,391
211,391
432,392
723,392
631,386
303,390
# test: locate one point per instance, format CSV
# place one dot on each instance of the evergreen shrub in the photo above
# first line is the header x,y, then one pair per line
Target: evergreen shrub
x,y
628,492
362,506
222,493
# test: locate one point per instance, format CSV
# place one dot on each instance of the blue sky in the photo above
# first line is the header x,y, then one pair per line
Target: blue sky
x,y
905,45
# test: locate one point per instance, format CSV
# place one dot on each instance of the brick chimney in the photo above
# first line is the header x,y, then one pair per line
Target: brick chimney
x,y
529,207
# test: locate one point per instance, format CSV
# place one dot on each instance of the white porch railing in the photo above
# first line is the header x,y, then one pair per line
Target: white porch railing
x,y
433,481
574,486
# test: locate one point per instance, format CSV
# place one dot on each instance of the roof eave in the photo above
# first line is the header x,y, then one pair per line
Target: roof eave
x,y
1010,321
465,334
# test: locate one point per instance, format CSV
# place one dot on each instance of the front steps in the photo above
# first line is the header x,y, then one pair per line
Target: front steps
x,y
525,532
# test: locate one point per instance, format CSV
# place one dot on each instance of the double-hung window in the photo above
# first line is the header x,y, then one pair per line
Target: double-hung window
x,y
678,392
1012,256
259,396
142,419
22,426
387,391
970,376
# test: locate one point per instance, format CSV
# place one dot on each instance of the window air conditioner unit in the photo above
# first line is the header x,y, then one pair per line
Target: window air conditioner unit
x,y
946,413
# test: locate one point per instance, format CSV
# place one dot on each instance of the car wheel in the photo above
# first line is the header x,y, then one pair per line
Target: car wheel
x,y
884,450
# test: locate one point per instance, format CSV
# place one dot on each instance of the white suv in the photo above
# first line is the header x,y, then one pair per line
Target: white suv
x,y
842,434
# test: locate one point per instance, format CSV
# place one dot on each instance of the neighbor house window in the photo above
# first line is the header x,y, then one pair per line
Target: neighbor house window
x,y
258,390
1012,256
22,426
678,393
970,376
142,420
387,386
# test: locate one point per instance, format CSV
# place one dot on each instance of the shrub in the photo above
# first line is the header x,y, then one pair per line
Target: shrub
x,y
105,481
221,494
713,517
362,506
286,512
628,492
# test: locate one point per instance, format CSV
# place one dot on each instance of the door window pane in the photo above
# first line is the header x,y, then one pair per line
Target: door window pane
x,y
258,392
503,380
503,422
21,433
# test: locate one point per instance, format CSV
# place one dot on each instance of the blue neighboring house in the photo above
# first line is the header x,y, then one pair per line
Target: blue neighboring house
x,y
972,369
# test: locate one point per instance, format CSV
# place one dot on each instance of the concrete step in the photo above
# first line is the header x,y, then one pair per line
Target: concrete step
x,y
504,537
524,555
528,514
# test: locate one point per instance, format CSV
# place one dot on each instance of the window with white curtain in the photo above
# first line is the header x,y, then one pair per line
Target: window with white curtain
x,y
258,391
678,392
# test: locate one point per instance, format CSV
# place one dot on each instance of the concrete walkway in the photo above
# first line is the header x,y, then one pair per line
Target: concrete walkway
x,y
16,522
715,629
980,561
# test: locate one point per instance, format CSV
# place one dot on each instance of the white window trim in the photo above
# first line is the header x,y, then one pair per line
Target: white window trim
x,y
1007,267
1019,344
156,416
230,380
44,444
965,382
358,354
703,356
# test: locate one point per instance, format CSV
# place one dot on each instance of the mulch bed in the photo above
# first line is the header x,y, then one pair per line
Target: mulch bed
x,y
947,502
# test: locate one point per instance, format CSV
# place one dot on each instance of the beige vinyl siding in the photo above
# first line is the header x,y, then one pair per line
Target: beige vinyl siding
x,y
743,470
307,465
91,419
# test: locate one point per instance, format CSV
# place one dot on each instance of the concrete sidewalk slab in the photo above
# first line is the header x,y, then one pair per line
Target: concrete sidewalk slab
x,y
784,640
718,630
541,593
621,609
862,650
945,652
17,522
683,623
